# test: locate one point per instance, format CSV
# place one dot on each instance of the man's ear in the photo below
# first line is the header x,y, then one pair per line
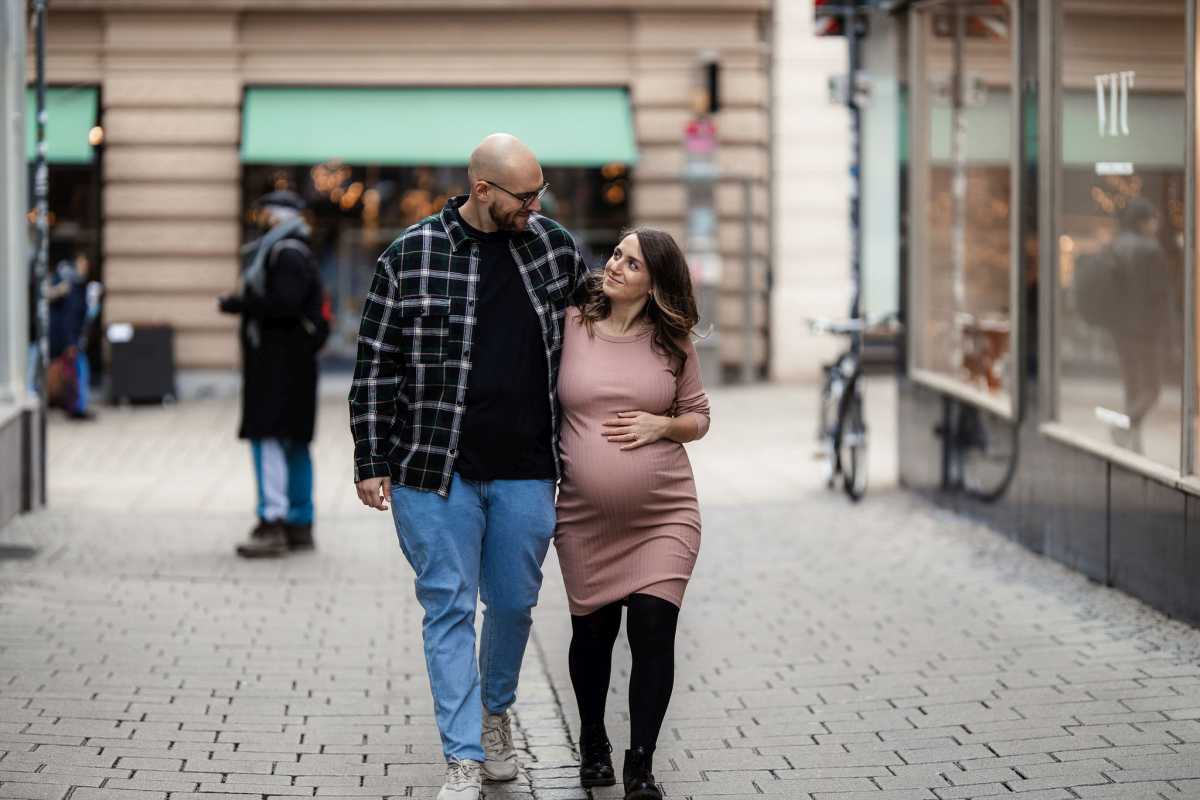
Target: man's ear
x,y
480,191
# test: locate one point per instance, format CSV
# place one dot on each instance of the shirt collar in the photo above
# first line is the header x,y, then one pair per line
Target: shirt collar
x,y
458,234
454,229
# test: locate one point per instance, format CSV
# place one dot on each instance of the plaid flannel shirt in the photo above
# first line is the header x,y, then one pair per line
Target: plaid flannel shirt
x,y
414,344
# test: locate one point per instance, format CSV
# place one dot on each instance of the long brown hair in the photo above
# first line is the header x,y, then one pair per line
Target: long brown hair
x,y
671,310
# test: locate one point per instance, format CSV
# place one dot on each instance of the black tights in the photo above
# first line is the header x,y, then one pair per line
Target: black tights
x,y
651,630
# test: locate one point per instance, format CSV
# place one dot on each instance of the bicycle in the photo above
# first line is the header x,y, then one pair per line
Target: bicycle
x,y
842,425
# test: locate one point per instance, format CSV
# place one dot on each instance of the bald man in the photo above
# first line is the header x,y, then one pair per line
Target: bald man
x,y
455,421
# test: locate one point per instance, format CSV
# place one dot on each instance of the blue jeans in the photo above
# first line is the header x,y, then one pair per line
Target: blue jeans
x,y
284,472
83,373
488,540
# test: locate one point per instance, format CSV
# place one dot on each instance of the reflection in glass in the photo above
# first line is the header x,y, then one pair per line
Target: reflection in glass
x,y
1121,211
965,268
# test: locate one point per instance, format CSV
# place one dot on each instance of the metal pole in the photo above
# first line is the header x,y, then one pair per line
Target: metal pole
x,y
41,253
853,54
958,186
749,331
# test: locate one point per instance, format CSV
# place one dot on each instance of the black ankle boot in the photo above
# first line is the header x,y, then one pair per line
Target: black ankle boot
x,y
639,776
595,758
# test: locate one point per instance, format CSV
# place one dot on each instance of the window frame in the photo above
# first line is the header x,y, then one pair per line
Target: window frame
x,y
1008,405
1191,404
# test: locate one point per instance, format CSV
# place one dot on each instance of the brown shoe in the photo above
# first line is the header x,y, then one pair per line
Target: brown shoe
x,y
299,537
267,540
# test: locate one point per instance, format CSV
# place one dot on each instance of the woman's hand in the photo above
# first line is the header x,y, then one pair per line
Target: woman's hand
x,y
633,429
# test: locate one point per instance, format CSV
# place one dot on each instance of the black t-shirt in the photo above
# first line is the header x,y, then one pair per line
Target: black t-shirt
x,y
506,432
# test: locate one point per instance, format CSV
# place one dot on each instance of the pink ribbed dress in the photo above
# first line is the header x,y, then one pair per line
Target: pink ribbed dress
x,y
628,520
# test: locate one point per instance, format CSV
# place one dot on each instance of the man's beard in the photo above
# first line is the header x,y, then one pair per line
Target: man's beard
x,y
506,222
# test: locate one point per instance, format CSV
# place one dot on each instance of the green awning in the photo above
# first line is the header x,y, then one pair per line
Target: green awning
x,y
70,117
567,127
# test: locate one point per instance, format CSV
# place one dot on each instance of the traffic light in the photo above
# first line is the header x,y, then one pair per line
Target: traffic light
x,y
827,18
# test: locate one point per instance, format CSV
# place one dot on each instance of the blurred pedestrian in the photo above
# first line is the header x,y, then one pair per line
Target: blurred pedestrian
x,y
1141,330
628,518
74,305
284,323
454,418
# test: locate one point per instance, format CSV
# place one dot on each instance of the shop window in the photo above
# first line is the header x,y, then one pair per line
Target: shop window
x,y
1121,209
356,212
964,112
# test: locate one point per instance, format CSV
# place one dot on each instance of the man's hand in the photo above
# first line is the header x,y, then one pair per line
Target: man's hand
x,y
636,428
374,492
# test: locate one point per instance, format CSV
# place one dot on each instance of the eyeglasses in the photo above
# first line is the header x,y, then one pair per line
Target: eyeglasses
x,y
526,198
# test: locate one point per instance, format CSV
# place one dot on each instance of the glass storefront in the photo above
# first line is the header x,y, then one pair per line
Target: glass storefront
x,y
1120,210
963,115
357,211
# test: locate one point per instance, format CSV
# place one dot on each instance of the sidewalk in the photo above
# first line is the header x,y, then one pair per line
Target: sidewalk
x,y
886,651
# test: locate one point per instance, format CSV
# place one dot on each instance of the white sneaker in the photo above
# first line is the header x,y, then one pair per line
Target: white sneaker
x,y
500,759
462,781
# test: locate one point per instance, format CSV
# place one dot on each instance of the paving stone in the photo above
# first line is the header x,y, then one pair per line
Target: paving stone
x,y
85,793
955,753
257,789
1151,790
1041,794
886,794
976,790
34,791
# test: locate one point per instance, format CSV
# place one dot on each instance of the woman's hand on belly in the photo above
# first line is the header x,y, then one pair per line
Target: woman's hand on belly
x,y
634,429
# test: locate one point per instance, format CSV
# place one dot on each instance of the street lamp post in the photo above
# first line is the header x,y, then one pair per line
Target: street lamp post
x,y
853,20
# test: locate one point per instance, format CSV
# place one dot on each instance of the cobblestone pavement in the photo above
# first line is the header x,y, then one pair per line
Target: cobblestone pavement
x,y
884,651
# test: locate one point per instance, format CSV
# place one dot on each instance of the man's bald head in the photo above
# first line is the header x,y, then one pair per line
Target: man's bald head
x,y
502,157
500,169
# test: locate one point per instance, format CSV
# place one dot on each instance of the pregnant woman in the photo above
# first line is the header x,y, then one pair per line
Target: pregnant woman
x,y
628,521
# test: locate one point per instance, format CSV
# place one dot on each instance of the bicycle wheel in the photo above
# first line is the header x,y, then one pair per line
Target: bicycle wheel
x,y
854,448
827,421
986,454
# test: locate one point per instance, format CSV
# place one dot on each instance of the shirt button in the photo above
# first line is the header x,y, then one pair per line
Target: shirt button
x,y
453,452
467,353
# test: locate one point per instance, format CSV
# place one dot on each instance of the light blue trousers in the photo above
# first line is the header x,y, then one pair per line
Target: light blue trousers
x,y
487,540
284,471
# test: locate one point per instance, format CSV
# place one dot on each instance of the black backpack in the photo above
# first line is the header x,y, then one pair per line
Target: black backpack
x,y
317,316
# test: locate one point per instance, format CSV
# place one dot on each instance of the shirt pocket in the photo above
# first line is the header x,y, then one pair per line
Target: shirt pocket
x,y
425,328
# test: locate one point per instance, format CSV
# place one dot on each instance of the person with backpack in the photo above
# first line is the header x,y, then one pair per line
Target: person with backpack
x,y
284,323
1124,289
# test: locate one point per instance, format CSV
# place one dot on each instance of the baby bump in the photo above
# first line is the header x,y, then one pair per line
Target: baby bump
x,y
600,479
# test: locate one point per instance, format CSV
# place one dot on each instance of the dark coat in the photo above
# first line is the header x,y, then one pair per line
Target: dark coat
x,y
279,374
